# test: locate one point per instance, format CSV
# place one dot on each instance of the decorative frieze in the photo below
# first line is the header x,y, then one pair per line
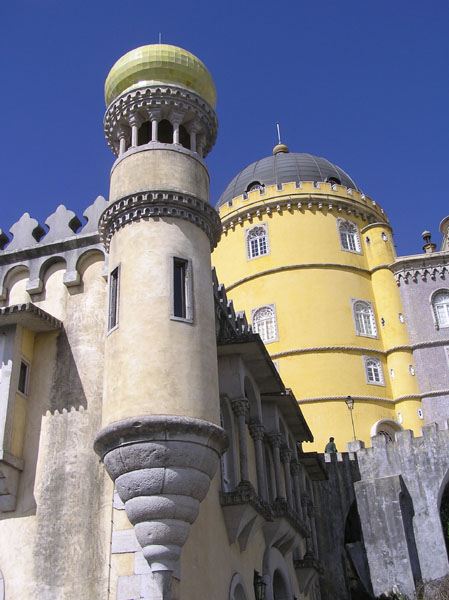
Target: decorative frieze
x,y
159,204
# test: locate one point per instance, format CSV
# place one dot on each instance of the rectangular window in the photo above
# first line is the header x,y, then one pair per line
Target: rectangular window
x,y
113,299
181,291
23,378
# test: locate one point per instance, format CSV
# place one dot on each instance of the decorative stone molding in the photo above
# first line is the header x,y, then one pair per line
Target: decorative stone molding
x,y
295,268
358,349
286,455
256,431
158,204
301,203
240,407
169,100
162,466
276,440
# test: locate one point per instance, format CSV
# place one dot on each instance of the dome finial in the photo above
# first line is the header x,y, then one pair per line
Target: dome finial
x,y
280,147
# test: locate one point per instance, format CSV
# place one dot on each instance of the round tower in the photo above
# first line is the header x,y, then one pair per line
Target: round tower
x,y
160,440
305,253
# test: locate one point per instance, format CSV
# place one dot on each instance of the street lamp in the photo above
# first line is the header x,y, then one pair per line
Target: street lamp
x,y
350,404
259,586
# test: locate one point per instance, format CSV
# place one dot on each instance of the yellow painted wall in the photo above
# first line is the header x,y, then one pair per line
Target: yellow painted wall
x,y
311,280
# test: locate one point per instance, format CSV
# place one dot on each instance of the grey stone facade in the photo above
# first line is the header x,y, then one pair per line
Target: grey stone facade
x,y
419,278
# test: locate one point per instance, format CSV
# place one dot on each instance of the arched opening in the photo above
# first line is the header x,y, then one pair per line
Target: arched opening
x,y
184,137
444,516
165,132
334,180
239,593
254,185
387,428
280,588
144,134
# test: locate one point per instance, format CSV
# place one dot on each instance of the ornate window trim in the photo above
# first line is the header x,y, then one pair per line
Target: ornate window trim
x,y
264,323
257,242
444,312
365,323
348,234
373,370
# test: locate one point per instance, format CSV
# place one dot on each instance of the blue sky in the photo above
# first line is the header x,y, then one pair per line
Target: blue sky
x,y
364,84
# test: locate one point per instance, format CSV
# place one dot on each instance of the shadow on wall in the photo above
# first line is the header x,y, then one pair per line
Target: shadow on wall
x,y
66,390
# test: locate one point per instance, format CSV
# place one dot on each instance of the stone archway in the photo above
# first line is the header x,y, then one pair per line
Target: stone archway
x,y
387,428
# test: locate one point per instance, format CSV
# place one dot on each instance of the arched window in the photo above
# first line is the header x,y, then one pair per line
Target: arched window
x,y
165,132
264,323
349,236
440,304
257,241
365,323
373,370
254,185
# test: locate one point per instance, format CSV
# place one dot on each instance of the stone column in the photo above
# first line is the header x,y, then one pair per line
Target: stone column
x,y
311,516
295,469
135,121
286,456
155,117
176,118
200,145
257,432
240,408
123,134
276,442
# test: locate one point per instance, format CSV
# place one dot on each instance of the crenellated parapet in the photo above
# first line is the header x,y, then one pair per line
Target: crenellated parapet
x,y
300,197
34,248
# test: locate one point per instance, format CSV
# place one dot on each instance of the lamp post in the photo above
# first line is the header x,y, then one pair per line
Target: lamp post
x,y
350,404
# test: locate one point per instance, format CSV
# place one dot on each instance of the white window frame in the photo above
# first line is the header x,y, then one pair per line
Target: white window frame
x,y
378,366
188,289
358,329
113,318
275,335
27,364
250,255
344,223
436,317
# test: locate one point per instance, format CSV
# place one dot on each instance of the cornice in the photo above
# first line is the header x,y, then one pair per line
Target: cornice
x,y
159,204
299,201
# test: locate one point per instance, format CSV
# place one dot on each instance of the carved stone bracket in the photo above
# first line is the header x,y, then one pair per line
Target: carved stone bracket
x,y
162,467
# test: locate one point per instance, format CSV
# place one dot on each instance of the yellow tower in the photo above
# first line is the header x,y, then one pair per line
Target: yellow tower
x,y
160,440
305,253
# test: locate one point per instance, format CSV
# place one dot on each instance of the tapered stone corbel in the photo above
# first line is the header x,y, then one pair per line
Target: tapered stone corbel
x,y
162,467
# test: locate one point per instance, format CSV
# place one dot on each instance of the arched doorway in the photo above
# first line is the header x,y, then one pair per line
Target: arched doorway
x,y
280,589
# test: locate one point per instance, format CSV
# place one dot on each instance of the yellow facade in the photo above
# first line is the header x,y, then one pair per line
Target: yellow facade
x,y
312,283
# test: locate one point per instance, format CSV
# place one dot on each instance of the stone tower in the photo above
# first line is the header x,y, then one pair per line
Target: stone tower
x,y
160,439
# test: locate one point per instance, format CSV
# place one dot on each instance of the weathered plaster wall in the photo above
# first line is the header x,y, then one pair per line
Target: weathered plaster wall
x,y
55,545
402,532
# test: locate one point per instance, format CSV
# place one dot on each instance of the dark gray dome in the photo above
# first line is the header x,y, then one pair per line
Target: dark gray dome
x,y
282,168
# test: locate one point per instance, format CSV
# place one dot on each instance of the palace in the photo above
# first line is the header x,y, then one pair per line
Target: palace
x,y
162,419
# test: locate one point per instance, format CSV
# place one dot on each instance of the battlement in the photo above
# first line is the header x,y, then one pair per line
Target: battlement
x,y
301,196
34,249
